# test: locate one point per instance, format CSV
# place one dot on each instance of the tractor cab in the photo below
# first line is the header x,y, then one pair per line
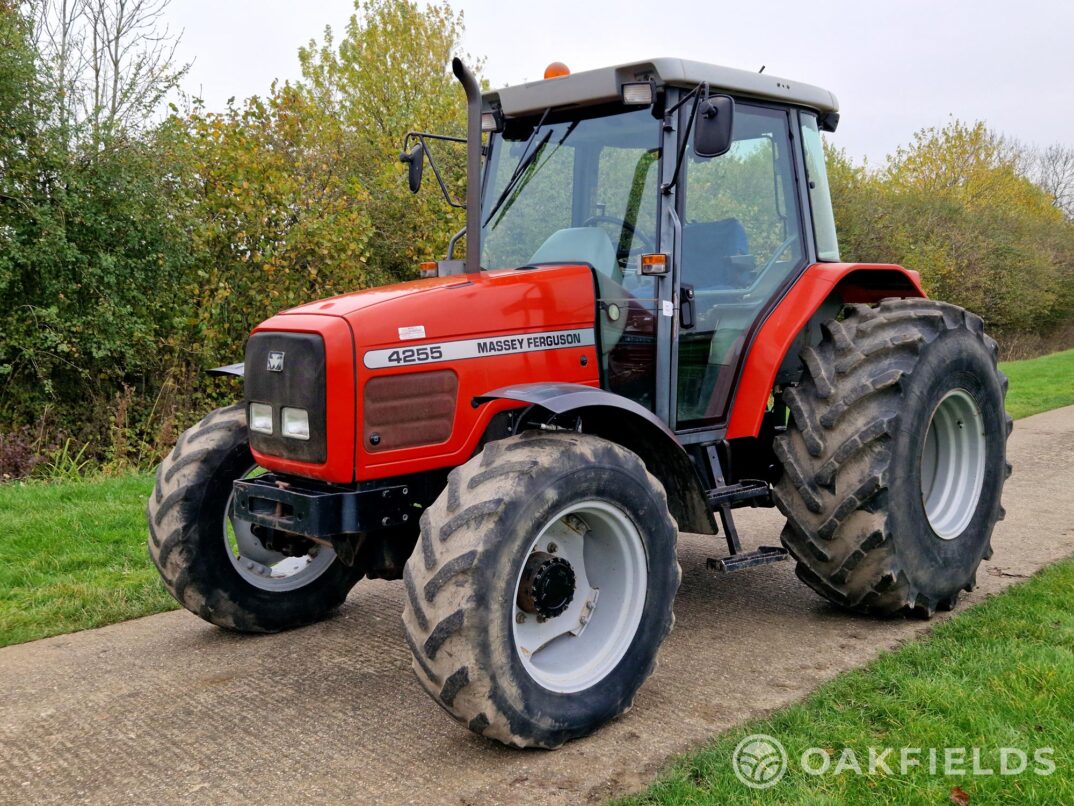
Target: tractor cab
x,y
696,193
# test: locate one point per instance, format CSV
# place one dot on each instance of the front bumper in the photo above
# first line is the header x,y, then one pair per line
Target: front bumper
x,y
304,507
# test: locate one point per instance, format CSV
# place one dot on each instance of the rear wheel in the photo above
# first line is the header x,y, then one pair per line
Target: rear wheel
x,y
212,563
542,588
895,457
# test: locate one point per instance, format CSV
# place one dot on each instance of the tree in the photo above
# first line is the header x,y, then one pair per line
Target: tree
x,y
956,206
387,76
277,216
1052,169
110,63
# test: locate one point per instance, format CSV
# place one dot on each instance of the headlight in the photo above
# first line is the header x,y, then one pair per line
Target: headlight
x,y
295,423
260,418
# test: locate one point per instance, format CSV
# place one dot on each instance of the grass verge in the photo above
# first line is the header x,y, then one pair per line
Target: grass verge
x,y
1040,384
998,676
73,556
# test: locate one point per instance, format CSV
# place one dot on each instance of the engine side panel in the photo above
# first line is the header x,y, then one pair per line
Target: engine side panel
x,y
492,329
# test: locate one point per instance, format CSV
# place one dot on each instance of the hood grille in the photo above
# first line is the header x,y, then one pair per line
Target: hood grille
x,y
288,370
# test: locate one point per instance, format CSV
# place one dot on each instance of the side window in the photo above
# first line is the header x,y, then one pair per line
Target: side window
x,y
741,238
820,194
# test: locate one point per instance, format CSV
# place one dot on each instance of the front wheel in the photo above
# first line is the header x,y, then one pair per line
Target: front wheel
x,y
542,588
212,563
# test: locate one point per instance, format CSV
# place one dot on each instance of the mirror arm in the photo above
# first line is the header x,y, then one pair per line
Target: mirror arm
x,y
696,93
454,240
427,153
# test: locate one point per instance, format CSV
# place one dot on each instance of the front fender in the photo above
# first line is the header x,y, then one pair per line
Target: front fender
x,y
621,420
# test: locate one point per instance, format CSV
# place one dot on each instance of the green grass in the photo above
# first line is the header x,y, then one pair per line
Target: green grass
x,y
999,675
73,556
1040,384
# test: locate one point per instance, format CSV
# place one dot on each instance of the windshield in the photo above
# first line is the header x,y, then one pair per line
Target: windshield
x,y
583,190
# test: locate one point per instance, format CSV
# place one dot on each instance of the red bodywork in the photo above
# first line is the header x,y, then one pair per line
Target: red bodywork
x,y
488,304
511,302
852,282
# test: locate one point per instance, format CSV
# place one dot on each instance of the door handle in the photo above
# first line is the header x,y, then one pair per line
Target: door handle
x,y
686,306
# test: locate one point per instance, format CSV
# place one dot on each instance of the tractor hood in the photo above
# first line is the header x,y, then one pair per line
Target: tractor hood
x,y
347,304
404,365
486,303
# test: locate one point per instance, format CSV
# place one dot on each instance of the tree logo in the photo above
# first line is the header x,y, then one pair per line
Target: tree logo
x,y
759,761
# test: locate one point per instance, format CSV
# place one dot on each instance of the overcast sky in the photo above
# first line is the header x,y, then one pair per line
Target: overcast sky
x,y
895,65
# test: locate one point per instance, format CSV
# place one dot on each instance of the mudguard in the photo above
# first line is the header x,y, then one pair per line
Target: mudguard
x,y
620,420
849,282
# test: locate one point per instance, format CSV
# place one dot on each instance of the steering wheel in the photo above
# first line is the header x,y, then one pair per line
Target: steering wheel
x,y
647,242
783,247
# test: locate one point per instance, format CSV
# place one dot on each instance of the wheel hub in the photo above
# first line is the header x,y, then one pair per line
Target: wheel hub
x,y
953,464
547,585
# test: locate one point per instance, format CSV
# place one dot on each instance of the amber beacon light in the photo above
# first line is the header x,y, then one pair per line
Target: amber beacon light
x,y
557,70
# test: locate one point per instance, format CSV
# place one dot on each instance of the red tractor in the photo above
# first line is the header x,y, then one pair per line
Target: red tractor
x,y
651,328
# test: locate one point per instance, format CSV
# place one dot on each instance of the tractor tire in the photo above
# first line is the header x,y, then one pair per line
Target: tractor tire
x,y
189,540
501,613
894,458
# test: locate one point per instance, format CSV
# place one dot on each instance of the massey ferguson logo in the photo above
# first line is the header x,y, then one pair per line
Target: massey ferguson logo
x,y
275,362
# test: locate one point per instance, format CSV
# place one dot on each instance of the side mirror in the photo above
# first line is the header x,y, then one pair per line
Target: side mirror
x,y
712,129
415,159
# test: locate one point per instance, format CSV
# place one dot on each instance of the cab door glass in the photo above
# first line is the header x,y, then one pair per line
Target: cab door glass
x,y
742,238
625,206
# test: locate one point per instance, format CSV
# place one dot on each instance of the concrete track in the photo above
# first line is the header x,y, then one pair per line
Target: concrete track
x,y
169,709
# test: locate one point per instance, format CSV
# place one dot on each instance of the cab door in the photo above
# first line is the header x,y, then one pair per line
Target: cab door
x,y
742,241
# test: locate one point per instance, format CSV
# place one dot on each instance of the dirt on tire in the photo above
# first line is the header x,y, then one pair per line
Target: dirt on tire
x,y
851,486
460,587
186,514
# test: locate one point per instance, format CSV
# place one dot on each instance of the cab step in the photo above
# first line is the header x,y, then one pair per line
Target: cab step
x,y
731,494
750,559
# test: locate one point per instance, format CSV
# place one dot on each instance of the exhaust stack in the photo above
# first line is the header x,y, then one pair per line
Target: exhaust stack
x,y
473,164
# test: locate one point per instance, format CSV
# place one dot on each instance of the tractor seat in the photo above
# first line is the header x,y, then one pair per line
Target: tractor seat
x,y
706,251
581,245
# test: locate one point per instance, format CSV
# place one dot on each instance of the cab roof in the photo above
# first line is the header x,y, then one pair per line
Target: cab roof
x,y
604,85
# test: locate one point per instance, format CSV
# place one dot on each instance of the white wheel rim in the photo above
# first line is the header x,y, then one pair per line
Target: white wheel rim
x,y
953,464
580,647
266,569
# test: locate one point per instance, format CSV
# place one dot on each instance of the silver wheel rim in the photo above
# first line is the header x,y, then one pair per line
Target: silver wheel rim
x,y
580,647
266,569
953,464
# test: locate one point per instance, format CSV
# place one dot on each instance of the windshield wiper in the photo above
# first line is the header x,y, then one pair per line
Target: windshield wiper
x,y
527,171
525,161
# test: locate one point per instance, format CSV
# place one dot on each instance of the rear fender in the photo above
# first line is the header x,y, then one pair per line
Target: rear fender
x,y
621,420
822,288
